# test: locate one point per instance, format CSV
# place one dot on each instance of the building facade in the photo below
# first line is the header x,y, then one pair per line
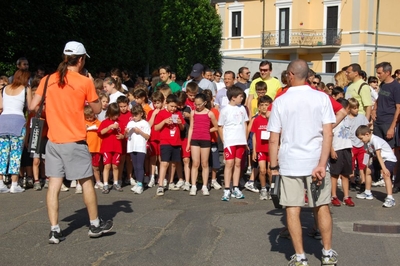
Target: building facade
x,y
330,34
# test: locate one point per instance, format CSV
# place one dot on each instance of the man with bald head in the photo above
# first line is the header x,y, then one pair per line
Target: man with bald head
x,y
301,120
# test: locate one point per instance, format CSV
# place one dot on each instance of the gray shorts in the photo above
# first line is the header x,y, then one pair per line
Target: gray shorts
x,y
70,160
292,191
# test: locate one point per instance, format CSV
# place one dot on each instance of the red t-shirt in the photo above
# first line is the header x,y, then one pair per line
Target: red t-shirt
x,y
154,135
169,134
335,104
123,120
190,104
109,143
260,124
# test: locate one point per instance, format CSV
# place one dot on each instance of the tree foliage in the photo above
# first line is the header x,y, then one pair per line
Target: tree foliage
x,y
138,35
190,33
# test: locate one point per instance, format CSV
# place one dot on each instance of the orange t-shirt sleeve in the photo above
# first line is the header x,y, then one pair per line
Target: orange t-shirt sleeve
x,y
91,94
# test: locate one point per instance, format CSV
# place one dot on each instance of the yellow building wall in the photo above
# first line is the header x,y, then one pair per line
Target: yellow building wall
x,y
357,19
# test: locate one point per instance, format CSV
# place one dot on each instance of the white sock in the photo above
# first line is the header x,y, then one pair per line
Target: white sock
x,y
2,183
116,182
14,184
327,252
367,191
95,222
390,197
300,257
56,228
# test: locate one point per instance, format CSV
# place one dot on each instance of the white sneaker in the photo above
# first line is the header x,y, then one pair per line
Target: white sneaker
x,y
179,184
152,182
139,189
132,181
263,194
186,186
379,183
389,203
248,171
73,183
99,185
215,185
172,186
205,191
160,191
193,191
4,189
78,189
64,188
16,189
365,196
250,186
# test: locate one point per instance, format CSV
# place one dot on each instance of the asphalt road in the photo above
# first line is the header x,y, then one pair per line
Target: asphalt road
x,y
178,229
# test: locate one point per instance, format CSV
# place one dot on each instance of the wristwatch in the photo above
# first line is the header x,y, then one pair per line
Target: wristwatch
x,y
274,167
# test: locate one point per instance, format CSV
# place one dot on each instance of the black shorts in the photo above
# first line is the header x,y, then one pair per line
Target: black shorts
x,y
26,159
214,156
342,165
376,167
201,143
170,153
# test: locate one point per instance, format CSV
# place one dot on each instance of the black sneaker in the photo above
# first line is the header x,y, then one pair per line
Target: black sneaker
x,y
104,227
55,237
353,186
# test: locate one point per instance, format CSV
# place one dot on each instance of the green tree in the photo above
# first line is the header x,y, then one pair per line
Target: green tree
x,y
190,32
139,35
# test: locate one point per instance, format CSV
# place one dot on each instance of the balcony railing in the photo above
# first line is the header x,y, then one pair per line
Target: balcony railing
x,y
301,37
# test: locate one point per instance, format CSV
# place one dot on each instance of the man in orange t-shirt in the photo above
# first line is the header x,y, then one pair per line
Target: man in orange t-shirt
x,y
67,153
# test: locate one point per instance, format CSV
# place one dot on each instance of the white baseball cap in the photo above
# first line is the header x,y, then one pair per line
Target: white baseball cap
x,y
75,48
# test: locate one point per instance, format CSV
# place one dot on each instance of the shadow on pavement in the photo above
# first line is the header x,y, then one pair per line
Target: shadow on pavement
x,y
284,244
106,212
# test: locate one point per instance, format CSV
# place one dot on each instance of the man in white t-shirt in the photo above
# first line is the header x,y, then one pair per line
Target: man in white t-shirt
x,y
302,119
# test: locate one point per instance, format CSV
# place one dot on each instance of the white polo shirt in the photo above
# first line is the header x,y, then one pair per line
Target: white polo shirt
x,y
299,116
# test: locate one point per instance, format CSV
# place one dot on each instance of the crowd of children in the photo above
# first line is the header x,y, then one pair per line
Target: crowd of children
x,y
170,138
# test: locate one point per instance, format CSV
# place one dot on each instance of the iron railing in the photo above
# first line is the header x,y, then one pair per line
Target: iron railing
x,y
301,37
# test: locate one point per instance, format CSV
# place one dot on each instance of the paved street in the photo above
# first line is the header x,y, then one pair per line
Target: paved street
x,y
178,229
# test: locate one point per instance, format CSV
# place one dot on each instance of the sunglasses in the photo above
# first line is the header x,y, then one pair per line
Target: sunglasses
x,y
315,83
264,70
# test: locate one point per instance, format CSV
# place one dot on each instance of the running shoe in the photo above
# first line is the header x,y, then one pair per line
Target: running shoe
x,y
250,186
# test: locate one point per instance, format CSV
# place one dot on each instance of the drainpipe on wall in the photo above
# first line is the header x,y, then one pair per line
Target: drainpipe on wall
x,y
376,36
263,29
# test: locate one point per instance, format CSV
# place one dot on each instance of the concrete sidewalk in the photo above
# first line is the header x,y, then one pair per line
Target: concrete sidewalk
x,y
178,229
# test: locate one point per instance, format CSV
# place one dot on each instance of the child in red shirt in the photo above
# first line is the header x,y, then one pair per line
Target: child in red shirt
x,y
191,91
153,142
260,142
123,120
111,145
169,123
